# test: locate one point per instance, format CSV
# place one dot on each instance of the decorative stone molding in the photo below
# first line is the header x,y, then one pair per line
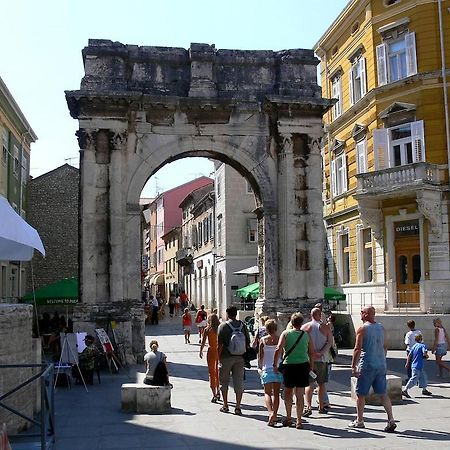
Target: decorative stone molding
x,y
86,138
118,140
373,219
429,204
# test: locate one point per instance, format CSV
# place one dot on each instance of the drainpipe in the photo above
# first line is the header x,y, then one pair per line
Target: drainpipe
x,y
444,82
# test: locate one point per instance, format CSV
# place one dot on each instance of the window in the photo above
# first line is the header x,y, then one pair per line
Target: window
x,y
200,234
3,287
211,226
396,58
5,147
336,93
344,256
252,226
357,79
248,188
16,166
365,267
205,229
14,282
24,169
399,145
339,175
219,231
219,185
361,156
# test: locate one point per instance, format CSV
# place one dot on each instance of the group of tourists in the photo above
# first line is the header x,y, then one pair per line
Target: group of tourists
x,y
298,361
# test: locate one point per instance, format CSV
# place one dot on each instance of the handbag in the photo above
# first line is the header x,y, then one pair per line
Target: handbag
x,y
286,354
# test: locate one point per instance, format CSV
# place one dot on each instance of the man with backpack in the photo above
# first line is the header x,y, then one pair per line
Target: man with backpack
x,y
233,341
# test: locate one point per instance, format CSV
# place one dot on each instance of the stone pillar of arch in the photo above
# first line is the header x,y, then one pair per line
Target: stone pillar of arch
x,y
141,107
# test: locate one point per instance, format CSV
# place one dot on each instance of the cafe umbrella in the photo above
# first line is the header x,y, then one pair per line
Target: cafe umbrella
x,y
62,292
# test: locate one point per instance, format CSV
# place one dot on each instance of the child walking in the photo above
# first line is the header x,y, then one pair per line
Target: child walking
x,y
186,320
416,356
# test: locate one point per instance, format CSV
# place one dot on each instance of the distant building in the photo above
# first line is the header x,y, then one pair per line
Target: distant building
x,y
165,215
16,137
171,268
53,210
386,154
236,233
196,258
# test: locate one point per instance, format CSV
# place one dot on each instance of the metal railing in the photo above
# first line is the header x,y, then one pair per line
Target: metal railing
x,y
45,421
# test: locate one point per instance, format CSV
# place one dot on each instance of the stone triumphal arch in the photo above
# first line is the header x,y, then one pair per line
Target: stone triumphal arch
x,y
141,107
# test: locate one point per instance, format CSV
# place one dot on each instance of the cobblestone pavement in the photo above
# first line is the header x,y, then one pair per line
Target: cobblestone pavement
x,y
93,420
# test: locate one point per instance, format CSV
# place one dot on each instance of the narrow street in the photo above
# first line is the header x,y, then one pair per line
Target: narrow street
x,y
93,420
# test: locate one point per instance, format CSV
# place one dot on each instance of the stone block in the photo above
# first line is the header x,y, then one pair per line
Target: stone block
x,y
128,397
394,390
152,399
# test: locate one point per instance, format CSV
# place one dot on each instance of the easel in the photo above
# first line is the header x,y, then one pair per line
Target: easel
x,y
120,354
65,347
108,348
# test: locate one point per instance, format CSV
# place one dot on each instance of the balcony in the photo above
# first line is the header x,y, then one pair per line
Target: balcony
x,y
184,256
401,179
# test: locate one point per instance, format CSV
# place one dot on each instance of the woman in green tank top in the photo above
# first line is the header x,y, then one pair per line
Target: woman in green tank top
x,y
297,362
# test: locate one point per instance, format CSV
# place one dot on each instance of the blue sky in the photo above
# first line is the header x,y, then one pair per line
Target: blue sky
x,y
42,43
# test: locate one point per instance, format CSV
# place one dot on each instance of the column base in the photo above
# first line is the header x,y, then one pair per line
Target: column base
x,y
129,331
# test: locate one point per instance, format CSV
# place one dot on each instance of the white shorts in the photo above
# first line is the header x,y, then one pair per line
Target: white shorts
x,y
202,324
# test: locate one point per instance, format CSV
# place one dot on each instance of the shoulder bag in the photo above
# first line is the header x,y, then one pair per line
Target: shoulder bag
x,y
286,354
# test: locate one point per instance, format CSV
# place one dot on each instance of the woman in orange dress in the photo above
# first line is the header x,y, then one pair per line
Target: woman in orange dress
x,y
212,357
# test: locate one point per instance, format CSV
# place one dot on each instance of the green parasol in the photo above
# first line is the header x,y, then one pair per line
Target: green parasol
x,y
63,292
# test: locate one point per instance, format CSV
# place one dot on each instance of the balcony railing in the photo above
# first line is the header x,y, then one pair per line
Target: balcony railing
x,y
400,177
184,256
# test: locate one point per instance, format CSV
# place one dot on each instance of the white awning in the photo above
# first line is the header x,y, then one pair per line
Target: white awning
x,y
18,239
254,270
157,278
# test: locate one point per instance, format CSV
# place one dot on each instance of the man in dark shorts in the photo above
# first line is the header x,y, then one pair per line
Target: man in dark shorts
x,y
369,366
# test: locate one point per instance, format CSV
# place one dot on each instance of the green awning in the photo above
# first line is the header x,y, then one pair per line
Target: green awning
x,y
333,294
63,292
253,290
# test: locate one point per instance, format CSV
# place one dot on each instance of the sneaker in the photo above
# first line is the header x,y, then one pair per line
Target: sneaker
x,y
307,412
390,427
405,394
356,424
323,411
426,392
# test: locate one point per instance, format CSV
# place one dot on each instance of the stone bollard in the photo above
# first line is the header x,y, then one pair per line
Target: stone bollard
x,y
394,390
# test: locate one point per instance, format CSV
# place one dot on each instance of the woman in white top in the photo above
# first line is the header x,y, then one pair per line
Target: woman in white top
x,y
270,380
440,345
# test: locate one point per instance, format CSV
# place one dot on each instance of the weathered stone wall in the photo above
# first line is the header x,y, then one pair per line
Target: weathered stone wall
x,y
53,211
16,347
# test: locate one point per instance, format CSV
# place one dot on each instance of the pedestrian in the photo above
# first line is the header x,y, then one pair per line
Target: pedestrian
x,y
200,320
260,332
172,299
410,340
270,380
369,366
440,345
212,356
155,308
186,320
418,352
233,340
177,305
322,339
297,362
184,301
156,371
331,359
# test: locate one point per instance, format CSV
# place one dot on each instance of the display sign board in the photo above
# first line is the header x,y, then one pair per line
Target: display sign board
x,y
104,340
406,228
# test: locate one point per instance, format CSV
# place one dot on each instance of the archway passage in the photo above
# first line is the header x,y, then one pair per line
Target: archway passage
x,y
141,107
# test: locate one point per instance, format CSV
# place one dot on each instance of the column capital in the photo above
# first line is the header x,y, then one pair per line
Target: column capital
x,y
87,138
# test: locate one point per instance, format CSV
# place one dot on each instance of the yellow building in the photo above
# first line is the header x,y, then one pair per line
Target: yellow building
x,y
386,153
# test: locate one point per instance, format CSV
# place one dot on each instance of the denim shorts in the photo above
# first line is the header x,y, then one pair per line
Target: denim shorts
x,y
441,350
269,376
370,377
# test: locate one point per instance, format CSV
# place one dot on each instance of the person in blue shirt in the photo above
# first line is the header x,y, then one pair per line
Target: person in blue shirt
x,y
417,354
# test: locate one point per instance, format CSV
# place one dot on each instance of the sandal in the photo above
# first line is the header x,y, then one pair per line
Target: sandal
x,y
214,399
238,411
307,412
299,426
224,409
287,422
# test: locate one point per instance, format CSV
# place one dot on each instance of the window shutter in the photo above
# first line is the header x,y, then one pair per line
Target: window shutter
x,y
341,97
418,138
381,64
344,173
361,156
411,58
350,86
362,65
380,148
333,177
